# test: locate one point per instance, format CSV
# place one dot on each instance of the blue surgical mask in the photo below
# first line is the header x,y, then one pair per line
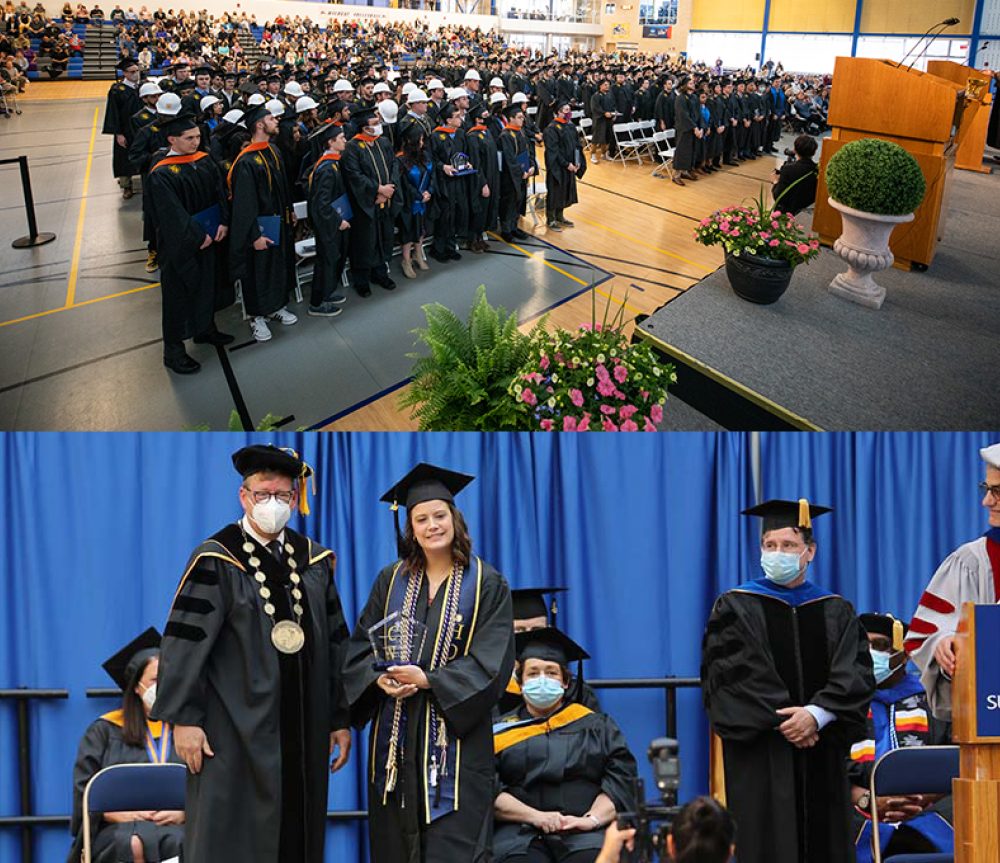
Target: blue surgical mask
x,y
880,664
781,567
542,692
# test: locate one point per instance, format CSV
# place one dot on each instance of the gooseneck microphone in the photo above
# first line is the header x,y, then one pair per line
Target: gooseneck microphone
x,y
948,22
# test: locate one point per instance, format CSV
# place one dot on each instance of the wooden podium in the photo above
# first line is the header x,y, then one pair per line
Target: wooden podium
x,y
971,138
918,111
976,728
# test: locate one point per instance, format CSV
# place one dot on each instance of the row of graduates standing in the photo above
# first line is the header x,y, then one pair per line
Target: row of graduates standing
x,y
257,718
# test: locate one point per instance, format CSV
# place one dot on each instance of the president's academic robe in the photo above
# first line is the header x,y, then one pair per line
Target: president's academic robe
x,y
368,163
481,148
402,827
102,746
258,186
560,764
195,282
267,715
562,148
767,647
123,102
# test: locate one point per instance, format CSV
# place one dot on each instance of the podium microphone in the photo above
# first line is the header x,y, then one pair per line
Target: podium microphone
x,y
948,22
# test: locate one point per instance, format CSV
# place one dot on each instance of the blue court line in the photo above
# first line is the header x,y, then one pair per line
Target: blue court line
x,y
633,285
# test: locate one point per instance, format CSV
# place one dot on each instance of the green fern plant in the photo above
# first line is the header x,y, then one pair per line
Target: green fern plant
x,y
462,385
268,423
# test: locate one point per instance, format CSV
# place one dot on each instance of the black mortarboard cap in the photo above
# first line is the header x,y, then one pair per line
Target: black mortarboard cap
x,y
887,625
254,115
323,132
126,63
549,644
787,513
178,125
529,602
267,457
204,70
362,117
121,667
423,483
183,64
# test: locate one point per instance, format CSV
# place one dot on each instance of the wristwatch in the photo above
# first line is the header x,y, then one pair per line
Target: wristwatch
x,y
865,801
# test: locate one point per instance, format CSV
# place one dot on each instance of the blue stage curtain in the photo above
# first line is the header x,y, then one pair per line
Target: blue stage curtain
x,y
642,528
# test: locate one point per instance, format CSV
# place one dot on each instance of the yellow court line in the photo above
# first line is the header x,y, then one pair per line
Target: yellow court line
x,y
75,267
640,242
79,305
547,264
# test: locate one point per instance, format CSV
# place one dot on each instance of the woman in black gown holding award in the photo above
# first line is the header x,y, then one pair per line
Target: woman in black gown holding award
x,y
430,770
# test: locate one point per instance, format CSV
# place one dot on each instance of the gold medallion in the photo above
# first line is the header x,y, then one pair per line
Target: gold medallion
x,y
287,636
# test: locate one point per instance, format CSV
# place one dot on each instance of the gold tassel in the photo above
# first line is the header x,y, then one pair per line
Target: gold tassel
x,y
804,520
897,634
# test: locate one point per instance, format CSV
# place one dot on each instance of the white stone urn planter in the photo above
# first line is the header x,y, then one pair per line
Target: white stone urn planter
x,y
864,246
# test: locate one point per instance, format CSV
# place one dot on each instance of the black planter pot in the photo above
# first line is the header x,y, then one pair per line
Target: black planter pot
x,y
758,280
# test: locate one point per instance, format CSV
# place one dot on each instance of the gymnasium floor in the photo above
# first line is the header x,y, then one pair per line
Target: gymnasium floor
x,y
79,318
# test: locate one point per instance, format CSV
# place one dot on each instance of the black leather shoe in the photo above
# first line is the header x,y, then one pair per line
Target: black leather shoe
x,y
442,259
507,238
388,285
521,235
364,292
183,365
454,256
215,337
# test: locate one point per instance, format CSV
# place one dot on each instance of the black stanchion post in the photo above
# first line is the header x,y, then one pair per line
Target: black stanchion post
x,y
24,765
33,238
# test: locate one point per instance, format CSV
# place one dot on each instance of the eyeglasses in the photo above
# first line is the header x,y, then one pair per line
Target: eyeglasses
x,y
986,488
265,496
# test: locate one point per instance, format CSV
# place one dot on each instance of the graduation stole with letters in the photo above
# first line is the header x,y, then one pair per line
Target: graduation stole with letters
x,y
510,734
179,160
440,755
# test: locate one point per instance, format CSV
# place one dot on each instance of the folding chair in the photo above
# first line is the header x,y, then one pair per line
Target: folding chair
x,y
913,770
132,787
586,126
536,199
644,132
305,250
627,146
664,153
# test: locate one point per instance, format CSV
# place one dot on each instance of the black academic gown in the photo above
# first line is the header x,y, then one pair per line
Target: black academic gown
x,y
663,111
765,648
258,186
148,141
195,281
562,148
601,104
560,770
368,164
463,691
685,122
140,118
481,148
102,746
545,91
513,185
267,715
326,185
452,192
123,102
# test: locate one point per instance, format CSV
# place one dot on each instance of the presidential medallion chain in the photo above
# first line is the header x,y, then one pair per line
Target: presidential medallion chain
x,y
287,636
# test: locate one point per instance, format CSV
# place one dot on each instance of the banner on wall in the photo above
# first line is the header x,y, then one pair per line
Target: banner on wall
x,y
620,31
656,31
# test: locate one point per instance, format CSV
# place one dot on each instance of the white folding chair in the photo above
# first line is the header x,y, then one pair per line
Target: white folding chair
x,y
627,147
644,131
664,153
536,199
305,251
576,115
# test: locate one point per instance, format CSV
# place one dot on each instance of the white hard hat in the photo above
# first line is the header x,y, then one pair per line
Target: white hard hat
x,y
207,102
388,109
472,75
233,116
382,87
256,99
408,88
149,89
456,93
519,97
275,106
294,88
496,82
169,104
435,84
343,86
306,103
498,97
416,95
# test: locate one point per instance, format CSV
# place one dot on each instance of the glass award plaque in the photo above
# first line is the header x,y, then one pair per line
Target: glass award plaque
x,y
397,640
460,162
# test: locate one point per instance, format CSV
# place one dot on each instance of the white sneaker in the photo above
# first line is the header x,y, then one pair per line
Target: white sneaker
x,y
285,316
259,329
593,159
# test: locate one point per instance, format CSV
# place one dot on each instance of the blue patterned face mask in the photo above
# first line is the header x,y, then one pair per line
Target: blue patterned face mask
x,y
781,567
542,692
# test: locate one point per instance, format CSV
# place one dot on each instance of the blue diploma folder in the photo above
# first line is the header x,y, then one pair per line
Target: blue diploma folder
x,y
270,227
209,219
342,207
524,160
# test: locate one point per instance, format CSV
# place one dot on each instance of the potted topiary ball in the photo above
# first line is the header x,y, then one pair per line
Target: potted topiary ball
x,y
875,185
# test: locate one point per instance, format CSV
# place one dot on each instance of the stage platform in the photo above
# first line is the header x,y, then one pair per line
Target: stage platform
x,y
926,361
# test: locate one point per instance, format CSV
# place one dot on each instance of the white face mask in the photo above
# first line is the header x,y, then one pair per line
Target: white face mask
x,y
149,696
272,515
376,130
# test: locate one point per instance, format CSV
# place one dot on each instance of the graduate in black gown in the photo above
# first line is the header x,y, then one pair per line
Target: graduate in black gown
x,y
687,118
663,107
187,200
786,682
564,164
564,772
250,676
127,736
418,204
325,189
123,102
264,264
518,165
447,141
431,771
484,185
371,174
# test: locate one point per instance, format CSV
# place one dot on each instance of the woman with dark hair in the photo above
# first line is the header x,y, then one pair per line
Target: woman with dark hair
x,y
702,832
127,736
418,205
431,740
